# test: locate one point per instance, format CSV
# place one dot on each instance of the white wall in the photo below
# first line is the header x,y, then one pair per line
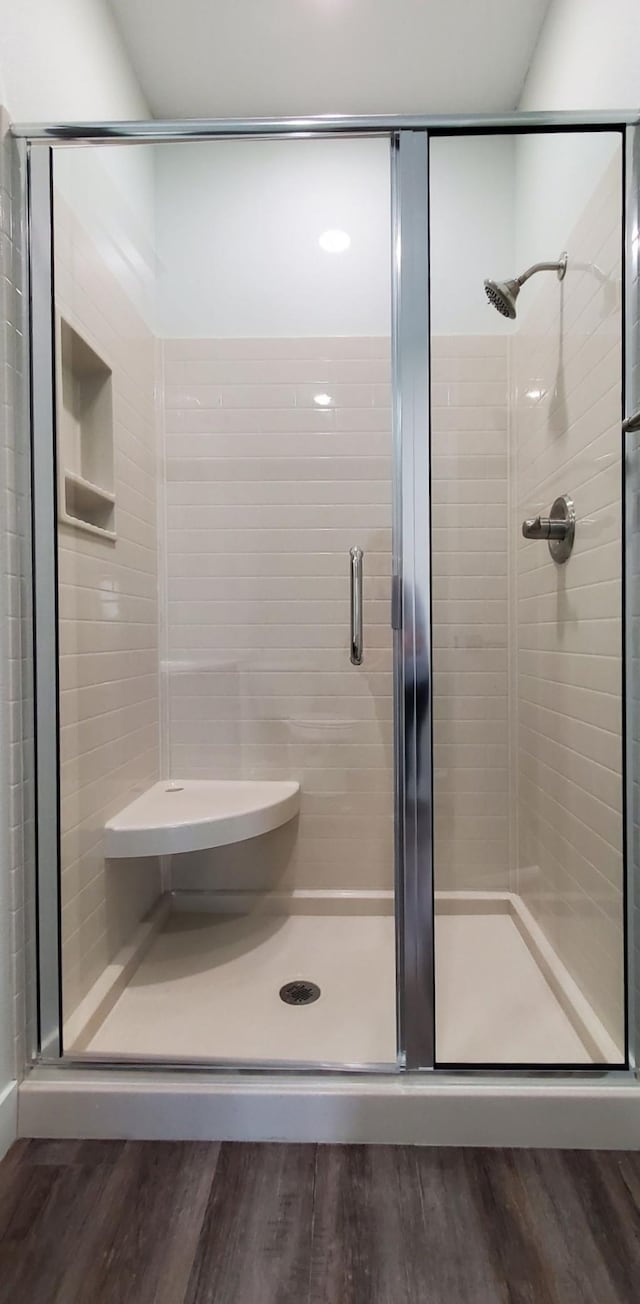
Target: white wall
x,y
238,226
235,58
587,58
472,231
566,167
111,192
66,62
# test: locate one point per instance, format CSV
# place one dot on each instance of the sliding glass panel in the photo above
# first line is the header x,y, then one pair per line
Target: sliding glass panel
x,y
527,683
225,470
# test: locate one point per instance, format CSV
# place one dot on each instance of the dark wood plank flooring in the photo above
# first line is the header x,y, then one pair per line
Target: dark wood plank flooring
x,y
104,1222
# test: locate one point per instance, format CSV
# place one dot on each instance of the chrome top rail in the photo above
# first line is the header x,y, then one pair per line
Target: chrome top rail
x,y
74,133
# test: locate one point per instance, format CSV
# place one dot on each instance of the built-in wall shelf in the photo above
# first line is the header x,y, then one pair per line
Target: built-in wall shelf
x,y
87,505
85,434
175,816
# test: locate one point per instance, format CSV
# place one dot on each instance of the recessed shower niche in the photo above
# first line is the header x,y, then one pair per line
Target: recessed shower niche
x,y
85,435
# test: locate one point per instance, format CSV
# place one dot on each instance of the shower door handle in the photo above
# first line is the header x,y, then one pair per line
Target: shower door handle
x,y
356,555
631,424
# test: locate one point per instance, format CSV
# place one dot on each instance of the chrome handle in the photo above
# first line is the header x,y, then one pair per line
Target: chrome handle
x,y
543,527
631,424
558,528
356,555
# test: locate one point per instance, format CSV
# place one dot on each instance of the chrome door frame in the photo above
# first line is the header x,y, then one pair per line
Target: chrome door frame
x,y
41,296
631,544
411,339
409,137
338,124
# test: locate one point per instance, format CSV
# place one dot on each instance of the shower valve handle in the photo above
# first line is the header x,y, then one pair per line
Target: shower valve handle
x,y
558,528
544,527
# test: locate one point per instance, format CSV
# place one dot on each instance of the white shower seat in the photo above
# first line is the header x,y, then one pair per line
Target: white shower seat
x,y
196,814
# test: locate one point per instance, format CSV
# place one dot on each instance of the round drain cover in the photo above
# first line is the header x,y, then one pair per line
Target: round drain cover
x,y
300,992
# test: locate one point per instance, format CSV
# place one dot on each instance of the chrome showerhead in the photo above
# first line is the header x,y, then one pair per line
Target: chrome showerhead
x,y
503,294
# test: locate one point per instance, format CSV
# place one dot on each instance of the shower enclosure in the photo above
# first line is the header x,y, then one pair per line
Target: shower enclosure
x,y
334,650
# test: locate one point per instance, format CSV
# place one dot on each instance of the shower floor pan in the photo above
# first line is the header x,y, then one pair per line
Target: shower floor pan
x,y
207,987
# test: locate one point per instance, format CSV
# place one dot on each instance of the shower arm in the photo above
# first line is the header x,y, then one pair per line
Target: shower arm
x,y
560,266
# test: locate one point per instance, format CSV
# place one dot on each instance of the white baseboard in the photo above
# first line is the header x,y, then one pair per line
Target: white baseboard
x,y
415,1110
8,1117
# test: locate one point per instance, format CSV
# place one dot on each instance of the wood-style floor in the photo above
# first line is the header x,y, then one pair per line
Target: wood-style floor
x,y
166,1223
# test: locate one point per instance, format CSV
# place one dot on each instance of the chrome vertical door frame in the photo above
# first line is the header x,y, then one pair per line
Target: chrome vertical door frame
x,y
412,600
631,562
45,582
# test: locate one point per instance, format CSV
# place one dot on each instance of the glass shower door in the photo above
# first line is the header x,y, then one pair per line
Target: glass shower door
x,y
225,467
527,647
226,475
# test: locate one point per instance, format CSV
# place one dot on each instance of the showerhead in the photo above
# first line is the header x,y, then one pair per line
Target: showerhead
x,y
503,294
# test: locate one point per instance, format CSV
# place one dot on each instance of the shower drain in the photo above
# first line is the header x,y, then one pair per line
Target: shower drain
x,y
299,993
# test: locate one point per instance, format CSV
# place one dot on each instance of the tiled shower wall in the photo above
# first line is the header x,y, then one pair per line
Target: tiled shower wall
x,y
109,700
266,493
567,393
470,631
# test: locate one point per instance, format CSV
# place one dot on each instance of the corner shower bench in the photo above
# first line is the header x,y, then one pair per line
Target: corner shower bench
x,y
196,814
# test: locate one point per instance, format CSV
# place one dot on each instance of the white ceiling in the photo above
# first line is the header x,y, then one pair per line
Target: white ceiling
x,y
226,58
